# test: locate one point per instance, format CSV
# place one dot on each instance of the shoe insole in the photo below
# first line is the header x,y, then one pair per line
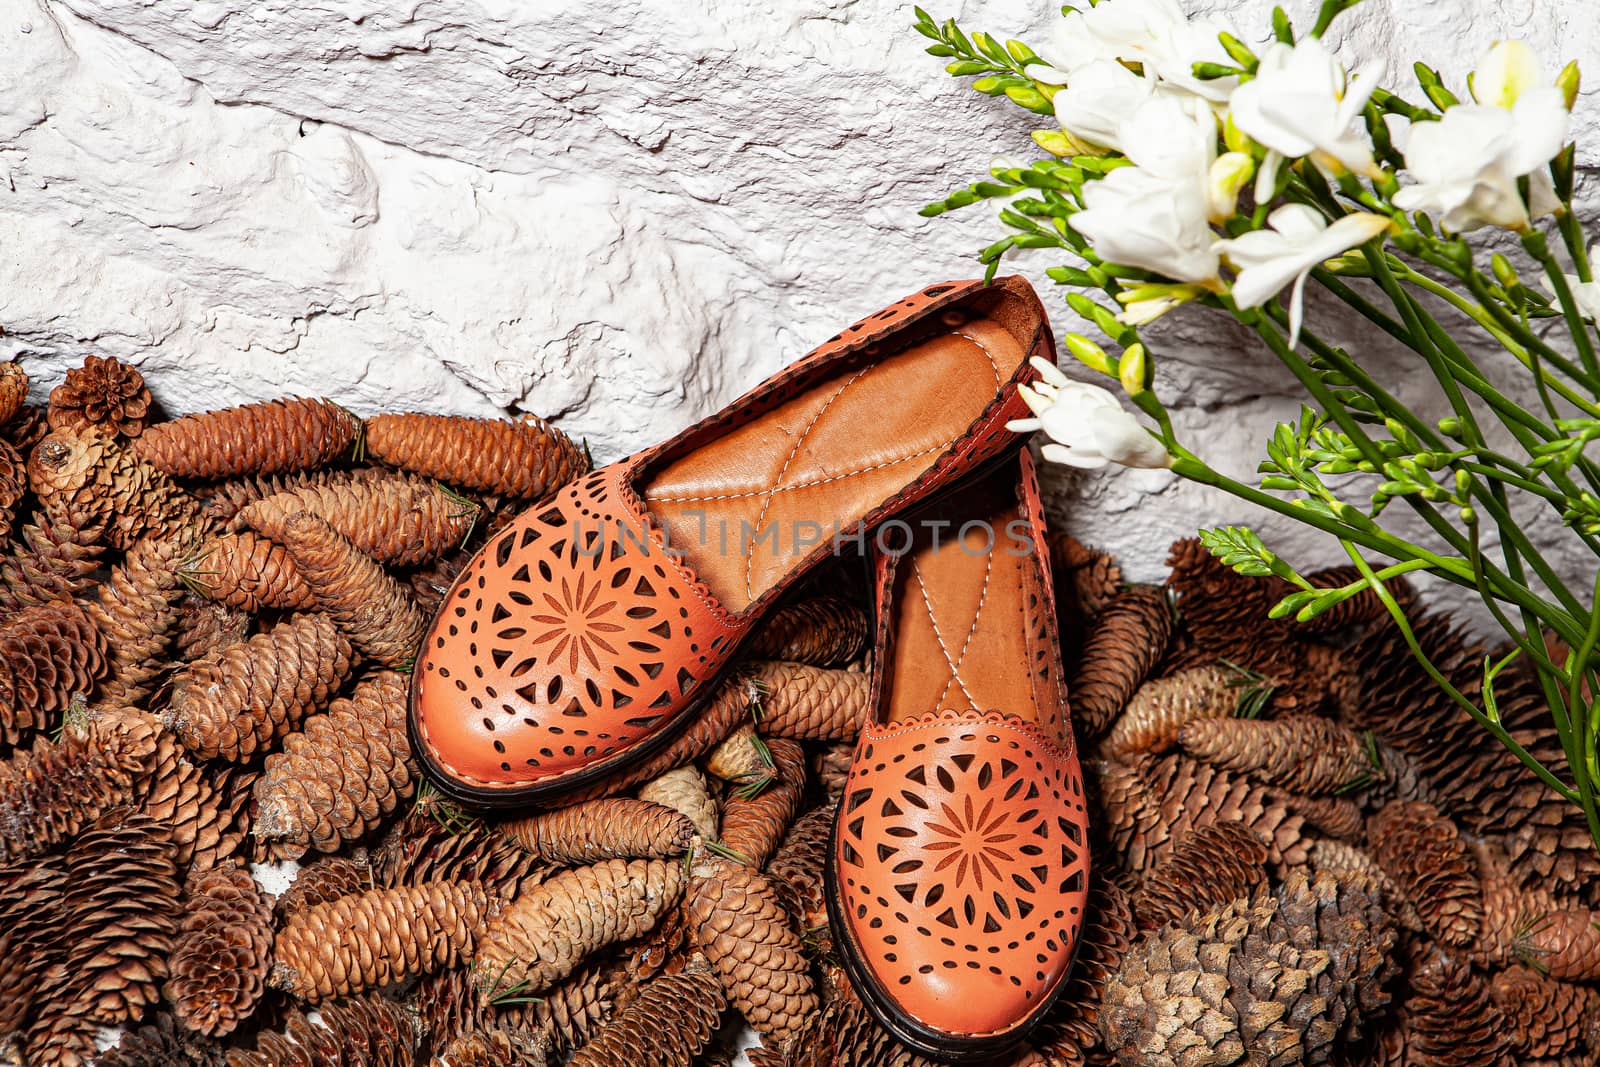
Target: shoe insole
x,y
746,508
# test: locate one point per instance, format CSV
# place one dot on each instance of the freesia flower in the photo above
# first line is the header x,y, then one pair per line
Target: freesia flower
x,y
1302,103
1153,33
1467,164
1585,294
1099,99
1086,424
1510,68
1298,240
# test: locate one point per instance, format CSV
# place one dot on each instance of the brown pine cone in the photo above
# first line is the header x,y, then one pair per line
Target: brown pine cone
x,y
741,757
544,934
430,583
122,906
224,500
378,937
796,867
1359,610
574,1010
222,953
1564,943
1107,936
1450,1019
1338,817
1344,860
824,631
246,571
1086,578
436,841
13,484
615,828
32,934
172,792
831,766
161,1043
1207,868
88,477
49,793
1128,639
666,1025
809,703
753,822
1547,1017
222,818
249,695
13,390
372,608
1161,706
324,879
267,438
497,1047
27,429
342,774
738,921
53,560
525,457
47,654
1300,753
842,1033
684,790
397,519
367,1030
136,609
204,628
105,394
1424,854
1149,803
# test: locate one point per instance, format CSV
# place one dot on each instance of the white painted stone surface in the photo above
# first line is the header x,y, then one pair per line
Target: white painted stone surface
x,y
618,213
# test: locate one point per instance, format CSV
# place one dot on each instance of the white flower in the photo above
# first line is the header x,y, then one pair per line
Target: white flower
x,y
1509,70
1087,426
1099,99
1585,294
1298,240
1155,215
1302,103
1153,33
1467,164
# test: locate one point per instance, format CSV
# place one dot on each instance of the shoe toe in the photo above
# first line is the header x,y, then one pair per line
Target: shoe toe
x,y
962,872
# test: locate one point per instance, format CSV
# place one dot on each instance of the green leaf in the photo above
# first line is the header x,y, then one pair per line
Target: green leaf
x,y
1239,548
1281,27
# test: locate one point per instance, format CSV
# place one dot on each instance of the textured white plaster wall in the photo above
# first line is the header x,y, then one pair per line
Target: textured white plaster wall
x,y
616,213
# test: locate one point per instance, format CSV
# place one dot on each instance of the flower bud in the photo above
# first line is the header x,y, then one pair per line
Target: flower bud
x,y
1450,426
1232,136
1504,272
1567,81
1463,484
1134,370
1088,353
1057,143
1230,172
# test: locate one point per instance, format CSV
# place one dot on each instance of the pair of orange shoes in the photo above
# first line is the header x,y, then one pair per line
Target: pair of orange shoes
x,y
584,635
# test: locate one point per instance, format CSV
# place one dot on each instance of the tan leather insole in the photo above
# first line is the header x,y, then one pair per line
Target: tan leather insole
x,y
968,632
748,507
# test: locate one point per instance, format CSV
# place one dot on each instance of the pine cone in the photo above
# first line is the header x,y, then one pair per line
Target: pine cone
x,y
546,932
841,1034
122,906
105,395
1346,861
753,822
13,390
204,628
1300,753
353,1031
497,1047
342,774
89,477
160,1043
615,828
372,608
48,794
249,695
1547,1018
324,879
667,1024
1106,937
824,631
53,560
737,920
378,937
47,654
1207,868
246,571
572,1012
684,789
430,583
1086,578
27,429
741,757
226,499
831,766
525,457
1564,943
438,842
223,950
1338,817
397,519
1424,854
796,868
1161,706
1450,1019
1359,610
136,610
1129,638
809,703
266,438
32,934
1148,804
13,484
222,818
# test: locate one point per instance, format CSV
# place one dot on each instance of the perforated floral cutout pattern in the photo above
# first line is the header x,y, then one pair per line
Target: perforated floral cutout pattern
x,y
963,866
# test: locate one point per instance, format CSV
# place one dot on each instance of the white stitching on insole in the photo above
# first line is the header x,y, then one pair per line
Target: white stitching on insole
x,y
800,485
955,664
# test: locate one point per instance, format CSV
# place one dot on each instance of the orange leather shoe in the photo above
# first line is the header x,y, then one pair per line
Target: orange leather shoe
x,y
959,863
579,639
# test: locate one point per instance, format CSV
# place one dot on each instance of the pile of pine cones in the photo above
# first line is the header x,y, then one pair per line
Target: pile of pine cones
x,y
1305,853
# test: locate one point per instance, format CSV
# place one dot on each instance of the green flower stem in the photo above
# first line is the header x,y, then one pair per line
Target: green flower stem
x,y
1538,247
1483,470
1532,343
1500,733
1572,237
